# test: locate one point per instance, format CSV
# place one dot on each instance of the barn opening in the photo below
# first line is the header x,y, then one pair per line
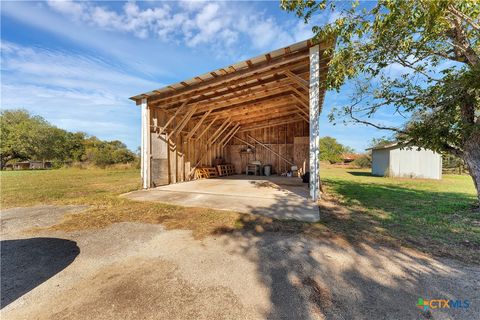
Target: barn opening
x,y
254,116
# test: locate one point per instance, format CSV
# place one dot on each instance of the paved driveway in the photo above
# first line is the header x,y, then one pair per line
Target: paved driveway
x,y
141,271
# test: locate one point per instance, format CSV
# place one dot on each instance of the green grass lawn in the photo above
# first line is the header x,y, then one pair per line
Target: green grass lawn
x,y
100,188
428,214
433,216
65,186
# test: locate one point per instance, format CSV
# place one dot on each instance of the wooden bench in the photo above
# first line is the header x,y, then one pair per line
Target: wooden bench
x,y
226,170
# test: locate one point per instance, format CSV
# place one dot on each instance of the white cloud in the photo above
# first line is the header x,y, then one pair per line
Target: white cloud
x,y
67,70
73,91
194,23
75,9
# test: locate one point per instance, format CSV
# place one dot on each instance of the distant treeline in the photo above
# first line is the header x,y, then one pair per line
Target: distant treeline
x,y
29,137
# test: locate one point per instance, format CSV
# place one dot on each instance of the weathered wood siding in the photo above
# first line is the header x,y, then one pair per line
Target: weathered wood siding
x,y
174,159
281,139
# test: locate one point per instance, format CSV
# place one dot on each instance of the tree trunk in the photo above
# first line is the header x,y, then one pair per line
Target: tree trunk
x,y
471,156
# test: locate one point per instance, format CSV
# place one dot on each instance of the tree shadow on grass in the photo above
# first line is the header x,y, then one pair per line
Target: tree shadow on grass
x,y
362,174
27,263
438,222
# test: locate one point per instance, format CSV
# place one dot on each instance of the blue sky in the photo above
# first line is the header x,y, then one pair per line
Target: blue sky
x,y
76,63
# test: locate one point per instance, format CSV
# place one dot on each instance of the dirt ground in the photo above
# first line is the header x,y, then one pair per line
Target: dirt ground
x,y
142,271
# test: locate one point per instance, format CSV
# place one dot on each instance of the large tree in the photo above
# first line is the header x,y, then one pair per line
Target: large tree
x,y
331,150
435,48
18,135
28,137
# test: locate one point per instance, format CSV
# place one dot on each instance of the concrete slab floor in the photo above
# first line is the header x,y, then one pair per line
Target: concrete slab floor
x,y
276,197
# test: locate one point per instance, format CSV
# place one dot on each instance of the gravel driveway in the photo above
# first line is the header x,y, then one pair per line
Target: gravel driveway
x,y
141,271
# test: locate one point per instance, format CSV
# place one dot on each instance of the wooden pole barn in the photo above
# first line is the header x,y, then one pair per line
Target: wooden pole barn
x,y
271,103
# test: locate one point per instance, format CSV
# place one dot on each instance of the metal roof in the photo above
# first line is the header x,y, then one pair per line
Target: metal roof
x,y
246,64
387,146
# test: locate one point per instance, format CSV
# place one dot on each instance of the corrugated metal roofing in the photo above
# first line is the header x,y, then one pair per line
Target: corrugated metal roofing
x,y
226,70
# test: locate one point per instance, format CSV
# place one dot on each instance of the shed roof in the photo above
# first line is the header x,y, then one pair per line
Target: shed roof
x,y
271,88
387,146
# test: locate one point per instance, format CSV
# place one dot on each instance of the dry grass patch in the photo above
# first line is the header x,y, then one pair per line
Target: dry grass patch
x,y
202,222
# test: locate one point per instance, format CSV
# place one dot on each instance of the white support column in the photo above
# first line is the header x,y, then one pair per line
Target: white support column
x,y
314,93
145,147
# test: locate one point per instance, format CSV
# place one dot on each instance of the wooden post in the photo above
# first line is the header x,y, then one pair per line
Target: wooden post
x,y
314,95
145,146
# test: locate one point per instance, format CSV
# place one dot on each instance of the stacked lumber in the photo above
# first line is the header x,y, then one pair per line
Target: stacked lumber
x,y
225,169
206,173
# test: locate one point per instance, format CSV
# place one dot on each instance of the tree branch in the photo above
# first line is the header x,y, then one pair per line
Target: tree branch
x,y
407,64
378,126
455,151
461,42
464,17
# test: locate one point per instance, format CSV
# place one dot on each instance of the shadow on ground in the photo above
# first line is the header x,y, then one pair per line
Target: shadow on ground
x,y
419,217
331,277
27,263
350,265
362,174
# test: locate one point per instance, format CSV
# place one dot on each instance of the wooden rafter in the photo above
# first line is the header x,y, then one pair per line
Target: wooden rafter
x,y
248,99
303,113
199,123
250,89
172,118
266,117
250,76
297,79
264,67
263,125
226,90
301,95
183,122
231,136
229,133
271,107
255,101
303,103
219,131
207,127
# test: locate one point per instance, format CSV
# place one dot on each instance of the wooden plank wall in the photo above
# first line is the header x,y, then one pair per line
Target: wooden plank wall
x,y
179,155
182,154
279,138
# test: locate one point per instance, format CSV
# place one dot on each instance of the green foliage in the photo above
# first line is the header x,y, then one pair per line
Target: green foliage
x,y
435,45
380,142
27,137
364,161
450,161
331,150
438,121
103,153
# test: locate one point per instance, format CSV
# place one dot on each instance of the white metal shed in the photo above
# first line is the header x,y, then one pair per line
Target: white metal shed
x,y
396,160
